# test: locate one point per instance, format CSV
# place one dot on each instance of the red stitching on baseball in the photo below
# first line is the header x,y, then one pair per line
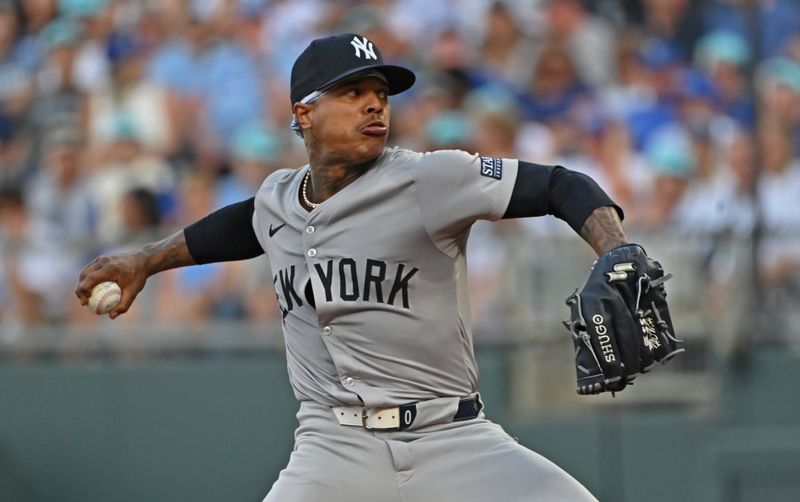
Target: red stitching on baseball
x,y
102,300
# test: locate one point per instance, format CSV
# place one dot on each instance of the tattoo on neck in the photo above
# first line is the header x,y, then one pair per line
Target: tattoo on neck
x,y
326,182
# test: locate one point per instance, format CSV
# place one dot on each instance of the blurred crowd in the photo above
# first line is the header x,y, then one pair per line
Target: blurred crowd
x,y
124,120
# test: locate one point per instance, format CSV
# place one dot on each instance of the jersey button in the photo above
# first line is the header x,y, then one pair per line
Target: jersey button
x,y
312,252
326,330
349,381
310,229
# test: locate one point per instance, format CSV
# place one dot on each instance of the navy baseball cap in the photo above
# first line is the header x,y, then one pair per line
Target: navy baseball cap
x,y
331,60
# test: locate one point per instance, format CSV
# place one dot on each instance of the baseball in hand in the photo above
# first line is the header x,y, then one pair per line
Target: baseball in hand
x,y
105,296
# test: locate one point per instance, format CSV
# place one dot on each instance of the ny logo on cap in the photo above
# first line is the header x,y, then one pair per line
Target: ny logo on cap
x,y
363,45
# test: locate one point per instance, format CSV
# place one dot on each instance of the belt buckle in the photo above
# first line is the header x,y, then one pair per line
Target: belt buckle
x,y
365,423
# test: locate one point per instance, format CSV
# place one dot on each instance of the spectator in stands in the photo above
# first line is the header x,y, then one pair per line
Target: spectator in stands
x,y
589,39
670,155
496,121
673,23
720,206
618,168
94,22
741,178
654,72
58,199
16,77
289,26
449,129
556,90
59,103
21,303
724,55
632,86
14,150
506,49
144,104
703,209
141,217
778,189
37,272
778,88
255,153
176,64
232,84
126,165
35,15
450,77
778,21
450,54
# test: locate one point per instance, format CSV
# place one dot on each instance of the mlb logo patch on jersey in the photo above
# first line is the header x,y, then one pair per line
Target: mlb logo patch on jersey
x,y
492,167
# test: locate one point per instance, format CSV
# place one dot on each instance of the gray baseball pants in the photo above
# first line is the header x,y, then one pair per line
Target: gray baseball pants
x,y
469,461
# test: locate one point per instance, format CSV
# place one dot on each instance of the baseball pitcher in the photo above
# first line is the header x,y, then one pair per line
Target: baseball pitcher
x,y
366,245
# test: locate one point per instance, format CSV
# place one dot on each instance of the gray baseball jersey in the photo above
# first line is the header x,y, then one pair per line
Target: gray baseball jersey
x,y
373,283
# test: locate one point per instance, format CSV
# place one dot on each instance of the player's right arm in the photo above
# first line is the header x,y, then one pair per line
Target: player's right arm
x,y
224,235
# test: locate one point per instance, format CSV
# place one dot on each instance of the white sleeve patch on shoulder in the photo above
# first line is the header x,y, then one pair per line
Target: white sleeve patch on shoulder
x,y
492,167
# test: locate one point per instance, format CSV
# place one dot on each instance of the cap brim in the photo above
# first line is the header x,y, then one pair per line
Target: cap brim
x,y
398,78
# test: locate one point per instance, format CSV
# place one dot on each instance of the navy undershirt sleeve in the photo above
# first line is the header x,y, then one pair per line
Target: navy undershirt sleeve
x,y
224,235
568,195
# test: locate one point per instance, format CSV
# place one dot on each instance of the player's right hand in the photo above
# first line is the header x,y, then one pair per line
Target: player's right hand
x,y
127,270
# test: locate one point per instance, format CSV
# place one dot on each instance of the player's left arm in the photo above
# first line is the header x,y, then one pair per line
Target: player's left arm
x,y
603,230
571,196
624,296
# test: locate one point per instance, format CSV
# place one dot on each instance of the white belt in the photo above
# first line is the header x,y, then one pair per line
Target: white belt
x,y
439,410
378,418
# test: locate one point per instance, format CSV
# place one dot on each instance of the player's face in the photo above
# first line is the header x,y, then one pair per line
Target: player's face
x,y
351,121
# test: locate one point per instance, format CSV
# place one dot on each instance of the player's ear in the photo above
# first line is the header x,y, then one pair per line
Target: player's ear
x,y
303,114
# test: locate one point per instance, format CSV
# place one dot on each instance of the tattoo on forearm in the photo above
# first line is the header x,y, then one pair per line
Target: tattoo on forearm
x,y
168,253
603,230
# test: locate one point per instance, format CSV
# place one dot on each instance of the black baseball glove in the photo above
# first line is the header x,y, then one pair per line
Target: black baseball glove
x,y
620,321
